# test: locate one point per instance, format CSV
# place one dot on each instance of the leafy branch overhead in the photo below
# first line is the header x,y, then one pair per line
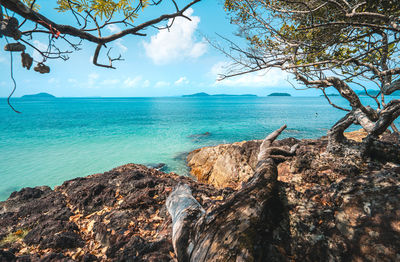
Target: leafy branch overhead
x,y
23,21
325,43
104,9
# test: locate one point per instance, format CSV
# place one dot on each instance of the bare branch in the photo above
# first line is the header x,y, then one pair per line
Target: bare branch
x,y
72,31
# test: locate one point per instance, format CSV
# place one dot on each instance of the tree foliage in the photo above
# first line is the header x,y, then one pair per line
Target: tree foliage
x,y
104,9
325,43
22,20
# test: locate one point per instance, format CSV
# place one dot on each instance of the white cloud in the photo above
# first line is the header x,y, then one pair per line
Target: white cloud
x,y
113,28
132,82
219,68
136,82
110,82
162,84
182,81
122,48
146,83
92,79
177,43
72,81
198,49
42,47
265,78
53,80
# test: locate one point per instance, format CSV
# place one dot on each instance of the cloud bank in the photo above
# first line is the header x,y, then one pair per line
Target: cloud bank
x,y
177,43
264,78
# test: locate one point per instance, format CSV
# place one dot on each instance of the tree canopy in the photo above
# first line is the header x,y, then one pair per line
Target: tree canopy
x,y
326,43
21,23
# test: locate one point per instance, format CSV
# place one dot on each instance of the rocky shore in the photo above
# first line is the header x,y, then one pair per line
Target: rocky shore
x,y
326,208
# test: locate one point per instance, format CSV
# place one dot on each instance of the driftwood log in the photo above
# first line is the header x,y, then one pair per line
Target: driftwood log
x,y
231,232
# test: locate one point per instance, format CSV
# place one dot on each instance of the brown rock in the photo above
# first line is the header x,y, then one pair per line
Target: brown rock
x,y
357,135
224,165
116,216
227,165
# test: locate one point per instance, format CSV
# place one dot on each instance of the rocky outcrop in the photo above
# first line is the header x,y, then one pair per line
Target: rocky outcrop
x,y
330,207
230,165
116,216
227,165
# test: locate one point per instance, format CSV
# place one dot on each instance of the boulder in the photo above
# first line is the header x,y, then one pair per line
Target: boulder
x,y
228,165
224,165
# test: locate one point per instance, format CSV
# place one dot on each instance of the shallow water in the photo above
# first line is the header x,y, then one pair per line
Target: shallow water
x,y
59,139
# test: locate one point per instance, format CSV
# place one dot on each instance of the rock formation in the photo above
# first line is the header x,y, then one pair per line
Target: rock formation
x,y
116,216
224,165
328,207
227,165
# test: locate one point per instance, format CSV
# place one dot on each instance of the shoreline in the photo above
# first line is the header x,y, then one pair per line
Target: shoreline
x,y
48,145
121,213
354,134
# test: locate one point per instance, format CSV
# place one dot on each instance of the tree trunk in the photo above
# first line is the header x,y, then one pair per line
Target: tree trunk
x,y
394,128
369,147
336,138
231,232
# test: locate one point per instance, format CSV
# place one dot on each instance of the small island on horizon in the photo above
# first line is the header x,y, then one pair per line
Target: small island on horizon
x,y
39,95
279,94
373,92
202,94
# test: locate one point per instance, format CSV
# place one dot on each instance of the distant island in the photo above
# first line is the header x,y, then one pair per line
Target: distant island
x,y
39,95
202,94
279,94
373,92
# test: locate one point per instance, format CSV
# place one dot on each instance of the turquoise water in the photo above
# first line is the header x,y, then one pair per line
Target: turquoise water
x,y
60,139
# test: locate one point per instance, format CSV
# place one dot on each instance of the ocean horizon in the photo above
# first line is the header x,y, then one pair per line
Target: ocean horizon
x,y
54,140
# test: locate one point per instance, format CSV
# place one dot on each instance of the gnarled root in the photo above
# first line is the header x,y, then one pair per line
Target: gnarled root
x,y
229,232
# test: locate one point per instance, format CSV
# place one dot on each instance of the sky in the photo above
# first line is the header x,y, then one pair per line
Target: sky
x,y
163,63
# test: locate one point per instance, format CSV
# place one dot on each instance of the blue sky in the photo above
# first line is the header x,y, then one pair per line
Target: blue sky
x,y
161,64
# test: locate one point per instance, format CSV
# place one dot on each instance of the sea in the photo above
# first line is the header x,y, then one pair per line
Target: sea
x,y
54,140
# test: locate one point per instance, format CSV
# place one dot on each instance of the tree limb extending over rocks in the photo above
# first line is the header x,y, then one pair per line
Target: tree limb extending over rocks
x,y
228,233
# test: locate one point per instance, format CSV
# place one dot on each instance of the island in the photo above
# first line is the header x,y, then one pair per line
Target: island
x,y
279,94
373,92
39,96
202,94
